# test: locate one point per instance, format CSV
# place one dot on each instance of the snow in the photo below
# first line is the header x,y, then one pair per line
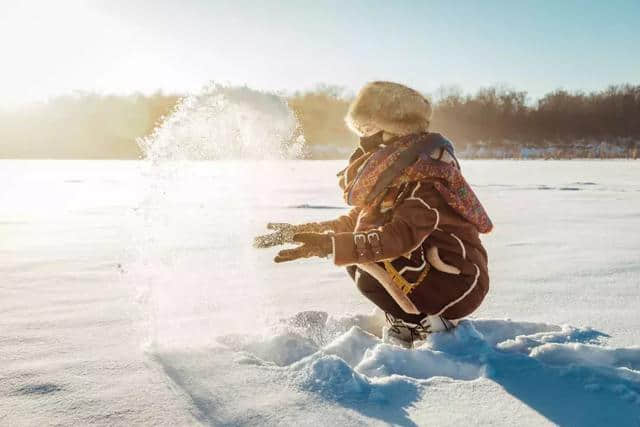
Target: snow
x,y
131,296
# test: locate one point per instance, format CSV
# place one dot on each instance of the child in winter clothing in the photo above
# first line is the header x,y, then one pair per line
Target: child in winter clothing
x,y
411,239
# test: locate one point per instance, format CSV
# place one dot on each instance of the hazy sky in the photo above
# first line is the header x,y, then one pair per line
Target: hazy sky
x,y
51,47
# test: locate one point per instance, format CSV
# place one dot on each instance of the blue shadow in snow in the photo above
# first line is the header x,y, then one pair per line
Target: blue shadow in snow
x,y
568,392
567,395
333,379
572,391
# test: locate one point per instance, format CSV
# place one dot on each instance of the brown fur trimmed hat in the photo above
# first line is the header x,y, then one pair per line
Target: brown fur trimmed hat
x,y
388,106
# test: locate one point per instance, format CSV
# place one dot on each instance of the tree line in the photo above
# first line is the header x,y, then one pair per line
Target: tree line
x,y
82,126
499,115
500,121
497,119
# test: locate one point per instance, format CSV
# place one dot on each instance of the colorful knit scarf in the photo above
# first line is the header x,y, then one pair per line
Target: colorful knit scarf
x,y
367,170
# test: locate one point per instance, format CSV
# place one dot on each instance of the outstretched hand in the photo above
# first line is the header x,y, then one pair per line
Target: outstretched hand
x,y
283,234
313,244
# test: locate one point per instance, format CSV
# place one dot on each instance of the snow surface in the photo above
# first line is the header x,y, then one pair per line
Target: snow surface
x,y
132,295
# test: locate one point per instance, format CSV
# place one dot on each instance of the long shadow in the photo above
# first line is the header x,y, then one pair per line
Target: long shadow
x,y
576,382
567,395
333,379
571,391
393,412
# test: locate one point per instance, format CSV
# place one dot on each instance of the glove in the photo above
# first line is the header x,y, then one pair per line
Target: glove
x,y
284,233
313,244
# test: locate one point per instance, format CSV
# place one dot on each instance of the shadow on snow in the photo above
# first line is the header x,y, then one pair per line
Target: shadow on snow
x,y
565,374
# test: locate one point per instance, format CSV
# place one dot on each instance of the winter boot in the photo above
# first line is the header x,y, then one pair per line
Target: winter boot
x,y
407,335
398,332
432,324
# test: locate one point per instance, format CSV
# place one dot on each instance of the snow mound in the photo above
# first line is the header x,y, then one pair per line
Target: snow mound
x,y
282,349
332,378
423,363
565,373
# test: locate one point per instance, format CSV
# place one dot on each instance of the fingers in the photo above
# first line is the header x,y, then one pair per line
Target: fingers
x,y
313,244
278,226
282,234
269,240
305,237
258,242
280,259
265,241
291,254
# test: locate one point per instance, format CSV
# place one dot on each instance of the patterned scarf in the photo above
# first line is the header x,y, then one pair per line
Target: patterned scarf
x,y
365,168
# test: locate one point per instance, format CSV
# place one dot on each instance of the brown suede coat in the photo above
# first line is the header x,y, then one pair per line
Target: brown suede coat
x,y
457,279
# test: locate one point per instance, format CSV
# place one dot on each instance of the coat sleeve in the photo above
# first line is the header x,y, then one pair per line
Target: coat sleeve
x,y
412,222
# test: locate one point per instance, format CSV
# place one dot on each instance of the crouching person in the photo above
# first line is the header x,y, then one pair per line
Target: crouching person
x,y
411,241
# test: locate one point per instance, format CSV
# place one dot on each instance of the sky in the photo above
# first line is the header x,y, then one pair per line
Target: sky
x,y
122,46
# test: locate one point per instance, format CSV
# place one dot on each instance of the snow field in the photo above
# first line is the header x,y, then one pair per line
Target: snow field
x,y
131,294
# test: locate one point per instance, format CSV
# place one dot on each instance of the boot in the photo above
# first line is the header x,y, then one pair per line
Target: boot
x,y
399,332
433,323
407,335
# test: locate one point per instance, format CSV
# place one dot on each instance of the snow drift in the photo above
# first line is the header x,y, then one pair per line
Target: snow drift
x,y
567,374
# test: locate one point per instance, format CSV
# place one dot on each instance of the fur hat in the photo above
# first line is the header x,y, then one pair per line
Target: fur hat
x,y
388,106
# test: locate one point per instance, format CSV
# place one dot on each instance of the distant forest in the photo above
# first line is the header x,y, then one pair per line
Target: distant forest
x,y
82,126
493,122
501,123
